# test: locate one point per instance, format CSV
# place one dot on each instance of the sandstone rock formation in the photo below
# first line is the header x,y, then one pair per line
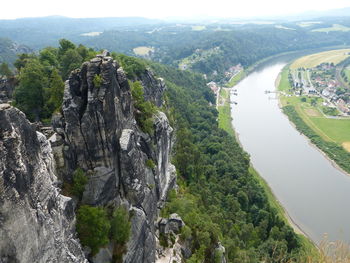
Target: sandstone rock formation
x,y
7,87
100,135
36,221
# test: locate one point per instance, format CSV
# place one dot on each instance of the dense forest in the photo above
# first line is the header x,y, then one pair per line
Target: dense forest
x,y
219,199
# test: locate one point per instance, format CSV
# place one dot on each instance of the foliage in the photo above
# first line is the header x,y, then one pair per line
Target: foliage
x,y
79,182
132,66
70,60
150,163
93,227
333,150
55,92
120,226
97,81
41,86
145,109
330,111
219,198
29,93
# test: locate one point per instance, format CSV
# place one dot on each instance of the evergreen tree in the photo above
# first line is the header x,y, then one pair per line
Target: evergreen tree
x,y
29,93
56,90
93,227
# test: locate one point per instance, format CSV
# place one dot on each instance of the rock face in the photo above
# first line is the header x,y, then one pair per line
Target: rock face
x,y
100,135
7,87
36,221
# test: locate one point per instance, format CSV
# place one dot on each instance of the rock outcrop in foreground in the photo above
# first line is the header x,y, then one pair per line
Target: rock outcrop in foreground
x,y
101,136
36,221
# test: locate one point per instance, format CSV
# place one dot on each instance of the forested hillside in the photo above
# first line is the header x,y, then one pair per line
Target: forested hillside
x,y
209,48
218,199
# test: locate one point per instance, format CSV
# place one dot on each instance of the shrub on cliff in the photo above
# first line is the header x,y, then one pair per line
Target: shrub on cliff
x,y
120,226
79,182
93,227
145,109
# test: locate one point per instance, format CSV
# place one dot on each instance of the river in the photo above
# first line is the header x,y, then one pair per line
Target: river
x,y
315,194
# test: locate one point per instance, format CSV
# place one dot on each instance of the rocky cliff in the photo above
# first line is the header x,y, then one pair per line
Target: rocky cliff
x,y
36,221
7,87
99,134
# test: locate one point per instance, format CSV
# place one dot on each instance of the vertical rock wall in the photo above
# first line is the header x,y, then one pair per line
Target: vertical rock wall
x,y
101,135
36,221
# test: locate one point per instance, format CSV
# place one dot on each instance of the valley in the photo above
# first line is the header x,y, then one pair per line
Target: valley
x,y
138,140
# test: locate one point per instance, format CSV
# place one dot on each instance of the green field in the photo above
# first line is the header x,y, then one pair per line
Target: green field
x,y
335,27
347,72
225,119
310,61
143,51
332,130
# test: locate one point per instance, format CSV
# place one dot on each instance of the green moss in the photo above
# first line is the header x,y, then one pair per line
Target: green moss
x,y
150,163
97,81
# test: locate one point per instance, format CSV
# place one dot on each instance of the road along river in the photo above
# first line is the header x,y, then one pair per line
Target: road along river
x,y
315,194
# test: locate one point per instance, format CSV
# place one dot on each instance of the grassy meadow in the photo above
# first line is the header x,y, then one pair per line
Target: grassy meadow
x,y
310,61
143,51
330,129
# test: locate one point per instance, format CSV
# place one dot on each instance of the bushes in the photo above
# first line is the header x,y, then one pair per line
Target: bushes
x,y
120,226
93,227
146,109
150,163
79,182
132,66
96,229
97,81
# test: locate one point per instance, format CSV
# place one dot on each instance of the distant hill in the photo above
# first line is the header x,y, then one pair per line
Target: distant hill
x,y
45,31
9,50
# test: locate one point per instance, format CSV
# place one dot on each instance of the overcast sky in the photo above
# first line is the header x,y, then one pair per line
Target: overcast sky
x,y
162,8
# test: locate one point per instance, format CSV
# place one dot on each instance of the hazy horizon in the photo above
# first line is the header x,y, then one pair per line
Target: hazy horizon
x,y
158,9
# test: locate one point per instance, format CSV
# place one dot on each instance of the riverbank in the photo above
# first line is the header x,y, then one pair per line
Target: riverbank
x,y
225,122
298,113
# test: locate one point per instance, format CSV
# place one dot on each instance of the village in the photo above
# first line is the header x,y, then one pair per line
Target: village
x,y
230,74
327,81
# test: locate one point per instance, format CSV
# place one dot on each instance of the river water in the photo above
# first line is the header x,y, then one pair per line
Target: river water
x,y
315,194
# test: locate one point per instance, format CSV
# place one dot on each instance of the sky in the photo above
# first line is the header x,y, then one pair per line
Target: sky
x,y
164,8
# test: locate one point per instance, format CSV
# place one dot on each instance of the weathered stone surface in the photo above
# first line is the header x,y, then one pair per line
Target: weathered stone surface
x,y
153,88
36,221
7,87
173,224
100,134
